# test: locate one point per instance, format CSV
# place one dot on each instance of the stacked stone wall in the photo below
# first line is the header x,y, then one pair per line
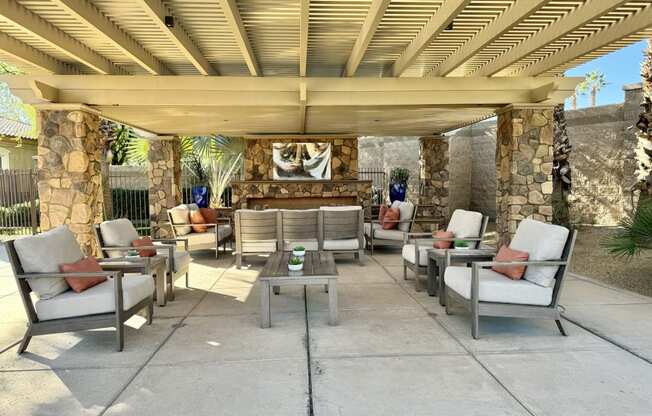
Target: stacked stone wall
x,y
164,174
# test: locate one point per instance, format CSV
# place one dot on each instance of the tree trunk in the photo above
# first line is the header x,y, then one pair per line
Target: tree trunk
x,y
594,95
561,172
644,132
574,101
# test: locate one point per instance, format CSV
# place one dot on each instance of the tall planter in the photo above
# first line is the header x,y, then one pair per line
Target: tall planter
x,y
200,195
397,191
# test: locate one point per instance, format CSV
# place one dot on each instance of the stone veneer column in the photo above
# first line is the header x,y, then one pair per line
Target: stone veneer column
x,y
164,173
434,158
524,157
69,173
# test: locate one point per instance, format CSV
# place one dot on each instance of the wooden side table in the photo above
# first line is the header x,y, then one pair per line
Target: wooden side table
x,y
154,266
439,259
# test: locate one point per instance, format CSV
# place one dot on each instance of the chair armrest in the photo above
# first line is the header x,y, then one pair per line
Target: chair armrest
x,y
550,263
424,234
72,274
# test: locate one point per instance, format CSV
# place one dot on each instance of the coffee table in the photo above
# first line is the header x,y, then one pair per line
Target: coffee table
x,y
439,259
318,269
155,266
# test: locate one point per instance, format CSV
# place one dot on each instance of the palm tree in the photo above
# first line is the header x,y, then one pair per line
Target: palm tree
x,y
581,89
644,131
635,234
561,171
596,80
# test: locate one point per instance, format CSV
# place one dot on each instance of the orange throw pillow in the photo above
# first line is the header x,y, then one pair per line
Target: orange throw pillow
x,y
507,254
196,218
443,244
88,265
209,214
381,214
144,242
391,216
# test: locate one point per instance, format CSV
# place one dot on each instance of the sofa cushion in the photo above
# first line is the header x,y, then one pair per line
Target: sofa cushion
x,y
494,287
198,222
181,215
95,300
465,224
144,242
407,210
345,244
259,246
201,239
118,233
389,234
311,245
368,226
409,254
43,253
209,214
79,284
445,243
181,258
507,254
542,242
341,208
381,213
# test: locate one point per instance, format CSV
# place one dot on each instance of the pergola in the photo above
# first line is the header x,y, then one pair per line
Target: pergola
x,y
241,67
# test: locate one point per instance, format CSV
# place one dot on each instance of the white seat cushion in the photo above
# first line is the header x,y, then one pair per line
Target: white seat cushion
x,y
406,210
396,235
197,239
368,227
542,242
181,258
118,233
95,300
181,215
495,287
43,253
341,208
409,254
344,244
312,245
259,246
465,223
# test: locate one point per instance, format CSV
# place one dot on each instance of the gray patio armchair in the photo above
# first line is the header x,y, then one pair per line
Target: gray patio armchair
x,y
56,308
256,233
218,233
469,226
114,237
484,292
299,227
375,235
341,230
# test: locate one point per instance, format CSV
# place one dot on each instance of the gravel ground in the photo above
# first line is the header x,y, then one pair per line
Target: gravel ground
x,y
592,260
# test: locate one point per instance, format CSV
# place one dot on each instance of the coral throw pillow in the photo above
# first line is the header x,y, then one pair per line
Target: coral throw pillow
x,y
381,214
197,220
443,244
144,242
390,219
88,265
209,214
507,254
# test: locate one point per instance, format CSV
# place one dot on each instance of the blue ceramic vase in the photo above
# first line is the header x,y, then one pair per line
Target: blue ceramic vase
x,y
200,196
397,191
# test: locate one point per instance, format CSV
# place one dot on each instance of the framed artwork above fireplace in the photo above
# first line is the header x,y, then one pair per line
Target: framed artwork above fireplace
x,y
301,161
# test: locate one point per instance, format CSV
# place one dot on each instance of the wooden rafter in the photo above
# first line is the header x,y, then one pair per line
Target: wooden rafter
x,y
437,23
371,22
46,32
157,12
630,25
34,57
91,16
579,17
232,14
303,108
303,37
507,20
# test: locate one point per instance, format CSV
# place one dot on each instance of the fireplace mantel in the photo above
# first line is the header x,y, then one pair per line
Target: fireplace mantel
x,y
300,194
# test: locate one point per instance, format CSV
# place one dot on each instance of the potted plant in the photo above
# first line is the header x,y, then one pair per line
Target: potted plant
x,y
299,251
398,180
295,264
461,245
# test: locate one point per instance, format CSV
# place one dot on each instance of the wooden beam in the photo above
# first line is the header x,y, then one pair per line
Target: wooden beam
x,y
44,91
507,20
446,13
303,108
232,14
628,26
37,26
157,12
25,53
92,17
371,22
304,24
584,14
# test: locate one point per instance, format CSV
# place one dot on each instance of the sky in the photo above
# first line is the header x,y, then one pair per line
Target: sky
x,y
620,67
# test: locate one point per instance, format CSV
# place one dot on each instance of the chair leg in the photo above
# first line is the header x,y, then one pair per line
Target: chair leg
x,y
150,313
170,286
120,336
404,270
561,327
277,290
25,342
238,261
360,255
475,324
187,279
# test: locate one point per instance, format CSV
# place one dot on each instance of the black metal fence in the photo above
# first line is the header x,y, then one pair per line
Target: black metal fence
x,y
378,179
18,202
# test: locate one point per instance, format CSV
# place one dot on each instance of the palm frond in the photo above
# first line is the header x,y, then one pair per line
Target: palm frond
x,y
635,233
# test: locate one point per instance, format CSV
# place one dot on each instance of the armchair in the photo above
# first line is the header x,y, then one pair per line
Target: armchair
x,y
375,235
255,233
219,230
341,230
485,292
465,225
35,263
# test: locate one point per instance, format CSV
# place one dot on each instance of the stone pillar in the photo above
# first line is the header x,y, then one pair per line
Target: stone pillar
x,y
524,157
69,172
164,172
434,177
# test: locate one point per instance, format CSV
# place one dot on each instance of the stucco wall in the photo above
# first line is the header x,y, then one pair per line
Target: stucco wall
x,y
460,168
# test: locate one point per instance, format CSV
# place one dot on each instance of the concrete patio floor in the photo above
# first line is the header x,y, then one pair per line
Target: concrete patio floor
x,y
395,352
